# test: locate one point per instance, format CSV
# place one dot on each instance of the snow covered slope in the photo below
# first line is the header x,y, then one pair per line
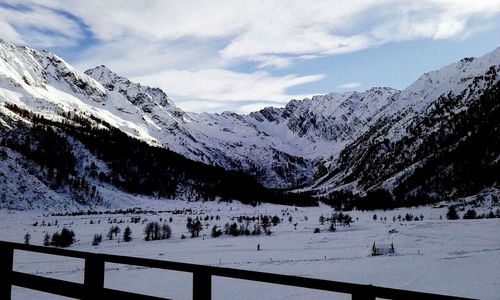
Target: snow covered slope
x,y
323,144
280,152
438,137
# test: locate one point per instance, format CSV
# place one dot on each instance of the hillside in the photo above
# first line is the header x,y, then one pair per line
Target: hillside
x,y
436,139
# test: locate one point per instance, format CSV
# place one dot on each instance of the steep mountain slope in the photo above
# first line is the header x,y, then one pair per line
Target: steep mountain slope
x,y
65,132
281,152
404,142
438,139
227,140
80,162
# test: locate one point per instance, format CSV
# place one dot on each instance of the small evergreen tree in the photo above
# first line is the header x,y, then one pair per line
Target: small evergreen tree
x,y
333,222
67,237
116,230
265,223
110,233
233,230
452,213
27,238
46,239
127,234
151,231
166,231
332,227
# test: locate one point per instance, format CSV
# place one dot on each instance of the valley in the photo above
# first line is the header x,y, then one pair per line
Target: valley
x,y
463,253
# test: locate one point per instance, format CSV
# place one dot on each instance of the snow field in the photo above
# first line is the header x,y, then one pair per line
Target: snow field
x,y
459,257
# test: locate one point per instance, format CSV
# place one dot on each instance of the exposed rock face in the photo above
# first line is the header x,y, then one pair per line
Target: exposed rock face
x,y
356,140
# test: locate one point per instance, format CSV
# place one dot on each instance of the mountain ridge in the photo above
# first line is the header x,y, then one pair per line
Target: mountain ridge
x,y
303,146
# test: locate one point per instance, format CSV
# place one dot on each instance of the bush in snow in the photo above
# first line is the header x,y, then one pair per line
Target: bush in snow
x,y
470,214
409,217
97,239
63,239
233,229
256,230
452,213
194,227
216,232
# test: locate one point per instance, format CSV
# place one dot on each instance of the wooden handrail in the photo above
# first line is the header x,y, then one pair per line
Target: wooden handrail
x,y
93,286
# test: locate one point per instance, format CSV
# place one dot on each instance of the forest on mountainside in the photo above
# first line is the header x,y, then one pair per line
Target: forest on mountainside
x,y
134,165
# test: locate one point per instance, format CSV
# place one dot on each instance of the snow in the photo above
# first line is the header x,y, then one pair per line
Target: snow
x,y
454,79
459,257
450,257
315,130
45,84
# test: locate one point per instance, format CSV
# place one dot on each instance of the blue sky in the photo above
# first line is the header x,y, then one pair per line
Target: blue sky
x,y
244,55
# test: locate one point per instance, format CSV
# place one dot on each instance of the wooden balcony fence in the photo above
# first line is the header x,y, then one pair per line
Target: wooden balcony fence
x,y
93,284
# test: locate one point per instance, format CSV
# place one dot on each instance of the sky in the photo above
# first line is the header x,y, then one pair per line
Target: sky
x,y
217,55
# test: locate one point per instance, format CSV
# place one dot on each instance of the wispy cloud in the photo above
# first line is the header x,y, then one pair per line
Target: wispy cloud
x,y
350,85
144,38
38,27
219,86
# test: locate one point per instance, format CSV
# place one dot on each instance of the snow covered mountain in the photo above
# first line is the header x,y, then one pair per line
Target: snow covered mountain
x,y
279,146
280,152
358,141
438,138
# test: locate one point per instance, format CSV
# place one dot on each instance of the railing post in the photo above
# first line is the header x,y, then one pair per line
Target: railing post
x,y
94,277
365,293
202,285
6,265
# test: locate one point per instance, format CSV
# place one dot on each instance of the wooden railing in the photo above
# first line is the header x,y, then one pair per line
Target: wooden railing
x,y
93,284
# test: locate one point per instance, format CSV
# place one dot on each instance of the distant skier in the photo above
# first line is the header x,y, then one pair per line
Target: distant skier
x,y
258,247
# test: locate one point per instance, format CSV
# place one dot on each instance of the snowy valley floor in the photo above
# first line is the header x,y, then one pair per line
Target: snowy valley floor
x,y
459,257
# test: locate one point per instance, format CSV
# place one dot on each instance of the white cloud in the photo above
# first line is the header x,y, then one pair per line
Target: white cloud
x,y
136,56
195,38
248,108
350,85
38,27
253,30
209,87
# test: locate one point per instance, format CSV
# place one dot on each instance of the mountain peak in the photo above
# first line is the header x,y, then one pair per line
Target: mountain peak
x,y
105,76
